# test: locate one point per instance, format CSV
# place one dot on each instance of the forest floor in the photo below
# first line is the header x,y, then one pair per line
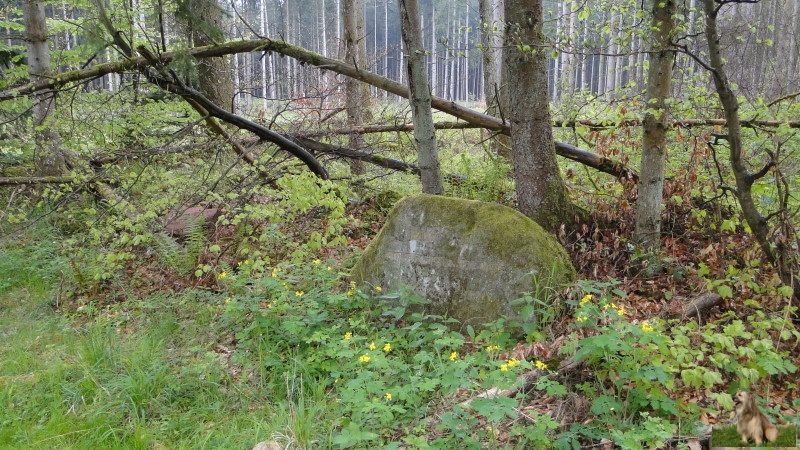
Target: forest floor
x,y
160,360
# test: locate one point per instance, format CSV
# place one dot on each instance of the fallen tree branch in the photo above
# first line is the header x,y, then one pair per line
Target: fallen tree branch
x,y
697,308
389,163
304,56
16,181
592,124
199,102
400,127
527,381
686,123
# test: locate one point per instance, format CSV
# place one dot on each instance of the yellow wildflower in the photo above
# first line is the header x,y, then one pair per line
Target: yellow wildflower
x,y
586,298
504,368
540,365
228,300
621,310
513,362
378,288
364,358
223,275
329,268
581,319
387,347
348,335
646,327
388,396
492,348
299,293
453,356
372,345
316,261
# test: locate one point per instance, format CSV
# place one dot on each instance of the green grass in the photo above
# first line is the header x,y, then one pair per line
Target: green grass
x,y
293,354
729,437
134,379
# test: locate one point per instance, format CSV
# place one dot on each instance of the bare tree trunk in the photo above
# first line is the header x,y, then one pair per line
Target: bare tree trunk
x,y
434,81
206,22
654,128
490,34
744,179
420,98
386,41
49,159
541,193
357,93
491,82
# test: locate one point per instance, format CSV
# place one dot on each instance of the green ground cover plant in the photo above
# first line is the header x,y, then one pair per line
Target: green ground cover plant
x,y
294,354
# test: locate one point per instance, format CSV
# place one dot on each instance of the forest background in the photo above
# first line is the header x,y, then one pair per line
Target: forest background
x,y
286,124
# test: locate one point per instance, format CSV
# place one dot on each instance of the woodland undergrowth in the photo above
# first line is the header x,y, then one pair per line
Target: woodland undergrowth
x,y
247,329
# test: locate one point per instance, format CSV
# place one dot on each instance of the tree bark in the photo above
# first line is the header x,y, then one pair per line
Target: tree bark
x,y
356,93
541,192
744,179
205,25
419,96
491,53
654,128
49,159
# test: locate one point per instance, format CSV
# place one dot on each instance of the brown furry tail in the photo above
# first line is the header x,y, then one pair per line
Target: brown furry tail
x,y
770,431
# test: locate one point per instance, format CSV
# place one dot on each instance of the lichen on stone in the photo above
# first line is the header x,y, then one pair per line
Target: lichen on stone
x,y
469,259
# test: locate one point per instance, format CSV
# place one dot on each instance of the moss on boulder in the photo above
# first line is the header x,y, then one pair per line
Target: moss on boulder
x,y
469,259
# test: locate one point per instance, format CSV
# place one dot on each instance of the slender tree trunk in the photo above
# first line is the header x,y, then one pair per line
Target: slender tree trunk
x,y
744,179
434,81
491,32
491,83
586,67
386,41
420,98
654,127
357,93
49,159
541,193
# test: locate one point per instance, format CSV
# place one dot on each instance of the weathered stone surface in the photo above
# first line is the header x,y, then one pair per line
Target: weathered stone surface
x,y
469,259
179,223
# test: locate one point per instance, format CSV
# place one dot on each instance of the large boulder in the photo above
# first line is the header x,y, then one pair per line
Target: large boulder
x,y
468,259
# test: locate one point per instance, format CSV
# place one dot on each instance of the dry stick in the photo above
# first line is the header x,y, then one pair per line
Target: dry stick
x,y
527,380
